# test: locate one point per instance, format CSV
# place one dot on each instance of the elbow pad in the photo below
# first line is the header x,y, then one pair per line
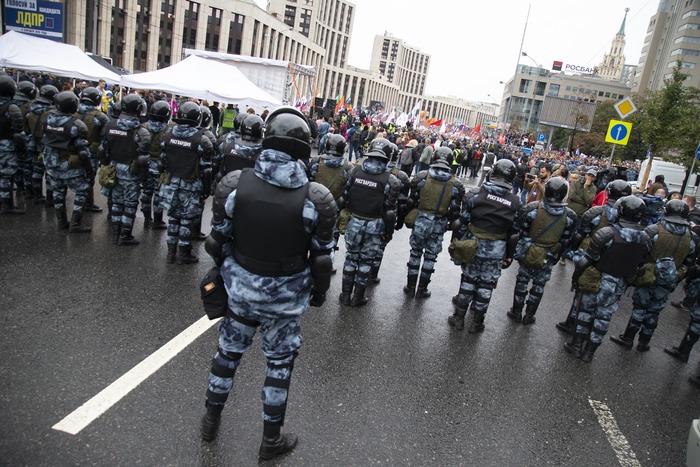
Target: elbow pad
x,y
214,245
324,203
390,219
511,244
321,269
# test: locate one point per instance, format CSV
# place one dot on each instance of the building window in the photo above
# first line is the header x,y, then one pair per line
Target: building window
x,y
694,53
235,35
554,90
691,26
690,13
688,39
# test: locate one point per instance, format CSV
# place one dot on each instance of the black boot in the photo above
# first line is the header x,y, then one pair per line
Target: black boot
x,y
695,381
625,340
683,350
275,444
90,205
8,207
575,347
158,223
172,251
76,223
643,342
126,239
588,351
48,201
62,219
477,325
568,326
358,296
410,287
457,318
529,317
116,232
147,221
196,233
211,421
516,312
346,292
422,290
373,273
185,256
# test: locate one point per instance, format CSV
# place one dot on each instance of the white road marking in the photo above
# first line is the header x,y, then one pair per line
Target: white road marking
x,y
617,440
92,409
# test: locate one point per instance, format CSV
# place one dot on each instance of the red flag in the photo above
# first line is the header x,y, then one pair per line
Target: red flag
x,y
436,123
502,138
476,130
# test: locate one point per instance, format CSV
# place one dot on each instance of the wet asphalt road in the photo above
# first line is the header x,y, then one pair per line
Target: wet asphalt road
x,y
387,384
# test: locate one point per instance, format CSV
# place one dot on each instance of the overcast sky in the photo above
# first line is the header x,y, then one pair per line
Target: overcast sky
x,y
474,44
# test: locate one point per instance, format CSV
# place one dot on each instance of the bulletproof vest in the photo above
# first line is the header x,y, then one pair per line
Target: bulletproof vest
x,y
540,231
492,213
24,108
154,148
58,136
622,258
182,158
5,121
268,228
235,161
435,196
331,178
122,147
229,116
94,132
671,245
367,193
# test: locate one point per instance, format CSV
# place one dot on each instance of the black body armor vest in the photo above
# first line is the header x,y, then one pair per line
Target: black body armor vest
x,y
492,213
367,194
182,159
122,148
623,258
235,161
58,136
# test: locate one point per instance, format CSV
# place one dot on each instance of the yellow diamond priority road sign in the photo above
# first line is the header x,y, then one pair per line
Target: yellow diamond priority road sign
x,y
625,107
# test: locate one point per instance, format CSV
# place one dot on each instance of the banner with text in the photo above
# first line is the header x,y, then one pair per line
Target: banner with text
x,y
35,17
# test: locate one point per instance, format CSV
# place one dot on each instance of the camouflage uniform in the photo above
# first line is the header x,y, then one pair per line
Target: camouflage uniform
x,y
12,124
363,235
488,215
96,121
437,195
23,176
36,118
692,334
150,196
552,227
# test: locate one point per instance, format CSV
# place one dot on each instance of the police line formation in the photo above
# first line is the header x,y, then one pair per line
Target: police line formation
x,y
278,215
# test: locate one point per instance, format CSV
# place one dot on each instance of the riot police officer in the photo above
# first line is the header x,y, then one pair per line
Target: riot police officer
x,y
545,230
36,119
186,155
370,196
487,217
673,250
272,233
158,121
96,121
125,145
239,153
67,160
594,219
11,126
437,194
26,93
615,252
205,127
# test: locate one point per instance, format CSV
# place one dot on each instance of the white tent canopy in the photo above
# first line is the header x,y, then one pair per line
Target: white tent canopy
x,y
203,79
29,53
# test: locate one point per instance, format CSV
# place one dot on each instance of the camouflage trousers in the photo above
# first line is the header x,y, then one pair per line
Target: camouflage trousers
x,y
427,247
184,209
692,293
38,172
281,339
477,283
361,250
23,177
539,278
8,169
648,303
150,196
125,196
60,188
596,309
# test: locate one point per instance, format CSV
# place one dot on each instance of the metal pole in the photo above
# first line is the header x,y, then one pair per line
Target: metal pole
x,y
534,90
517,65
612,153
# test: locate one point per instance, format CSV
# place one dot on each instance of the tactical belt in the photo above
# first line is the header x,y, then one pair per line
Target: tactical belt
x,y
284,267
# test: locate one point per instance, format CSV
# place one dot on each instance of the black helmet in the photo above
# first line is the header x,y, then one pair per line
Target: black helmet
x,y
555,191
47,93
617,189
160,111
381,148
443,153
394,151
66,102
133,105
503,171
28,89
335,145
91,96
676,211
8,87
251,128
206,117
189,113
441,164
287,130
631,208
237,121
117,109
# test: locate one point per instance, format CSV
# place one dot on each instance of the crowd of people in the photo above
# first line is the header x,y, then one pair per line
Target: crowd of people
x,y
278,214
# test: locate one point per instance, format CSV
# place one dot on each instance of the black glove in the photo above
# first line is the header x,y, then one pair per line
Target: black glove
x,y
581,266
87,164
505,264
388,235
317,298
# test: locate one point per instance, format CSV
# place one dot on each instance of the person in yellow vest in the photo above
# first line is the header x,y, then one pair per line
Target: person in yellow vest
x,y
228,115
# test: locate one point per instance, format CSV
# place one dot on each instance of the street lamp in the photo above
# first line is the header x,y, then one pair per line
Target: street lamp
x,y
534,90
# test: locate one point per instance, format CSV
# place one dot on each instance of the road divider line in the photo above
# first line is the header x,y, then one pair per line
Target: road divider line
x,y
105,399
617,440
